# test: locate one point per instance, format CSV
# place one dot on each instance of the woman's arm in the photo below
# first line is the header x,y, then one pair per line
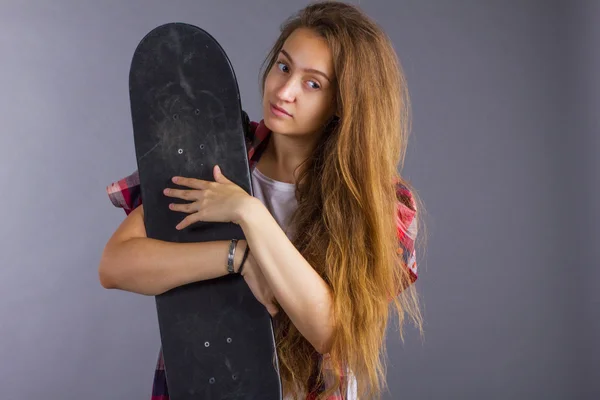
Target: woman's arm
x,y
298,288
133,262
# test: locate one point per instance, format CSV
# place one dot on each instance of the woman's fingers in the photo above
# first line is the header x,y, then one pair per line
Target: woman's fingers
x,y
184,194
272,309
187,221
193,194
192,182
186,208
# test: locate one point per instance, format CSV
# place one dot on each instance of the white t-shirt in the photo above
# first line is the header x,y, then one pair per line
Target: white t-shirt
x,y
280,199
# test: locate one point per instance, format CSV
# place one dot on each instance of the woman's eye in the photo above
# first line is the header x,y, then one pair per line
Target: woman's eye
x,y
285,69
282,66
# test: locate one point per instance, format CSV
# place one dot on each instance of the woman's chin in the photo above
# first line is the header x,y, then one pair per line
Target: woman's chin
x,y
276,124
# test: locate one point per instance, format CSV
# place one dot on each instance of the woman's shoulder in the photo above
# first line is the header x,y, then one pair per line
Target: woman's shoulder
x,y
406,220
405,196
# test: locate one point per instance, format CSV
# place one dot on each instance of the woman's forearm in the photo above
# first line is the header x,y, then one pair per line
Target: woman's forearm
x,y
298,288
151,267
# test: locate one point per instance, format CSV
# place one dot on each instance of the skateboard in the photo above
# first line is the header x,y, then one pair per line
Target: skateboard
x,y
217,339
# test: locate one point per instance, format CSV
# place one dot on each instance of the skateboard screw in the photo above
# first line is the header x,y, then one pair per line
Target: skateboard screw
x,y
180,151
175,116
206,344
229,340
211,380
201,146
234,377
197,112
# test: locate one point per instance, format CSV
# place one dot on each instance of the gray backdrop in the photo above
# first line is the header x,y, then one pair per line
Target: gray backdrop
x,y
504,154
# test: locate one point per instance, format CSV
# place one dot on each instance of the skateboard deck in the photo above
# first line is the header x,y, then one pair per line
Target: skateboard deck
x,y
217,339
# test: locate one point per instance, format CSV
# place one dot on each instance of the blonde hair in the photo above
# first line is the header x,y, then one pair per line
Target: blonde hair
x,y
347,203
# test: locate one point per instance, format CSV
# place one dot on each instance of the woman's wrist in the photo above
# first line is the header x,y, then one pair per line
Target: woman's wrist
x,y
251,213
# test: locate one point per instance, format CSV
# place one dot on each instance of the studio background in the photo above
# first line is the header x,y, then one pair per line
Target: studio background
x,y
504,153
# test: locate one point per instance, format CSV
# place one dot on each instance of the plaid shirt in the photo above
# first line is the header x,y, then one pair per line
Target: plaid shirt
x,y
126,194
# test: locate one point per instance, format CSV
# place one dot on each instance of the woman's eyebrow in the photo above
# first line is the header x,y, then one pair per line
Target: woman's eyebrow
x,y
314,71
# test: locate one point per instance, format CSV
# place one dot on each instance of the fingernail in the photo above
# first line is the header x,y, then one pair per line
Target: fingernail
x,y
175,179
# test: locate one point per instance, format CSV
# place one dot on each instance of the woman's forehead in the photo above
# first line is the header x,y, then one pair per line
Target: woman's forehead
x,y
307,50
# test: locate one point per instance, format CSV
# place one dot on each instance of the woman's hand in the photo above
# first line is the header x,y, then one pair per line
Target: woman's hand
x,y
219,201
258,284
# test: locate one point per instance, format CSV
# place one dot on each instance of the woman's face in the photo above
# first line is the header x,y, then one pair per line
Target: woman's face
x,y
300,88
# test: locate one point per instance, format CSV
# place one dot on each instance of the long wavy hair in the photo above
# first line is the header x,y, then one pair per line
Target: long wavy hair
x,y
347,204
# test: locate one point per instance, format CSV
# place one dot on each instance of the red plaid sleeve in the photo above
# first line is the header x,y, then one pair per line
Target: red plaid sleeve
x,y
406,222
125,193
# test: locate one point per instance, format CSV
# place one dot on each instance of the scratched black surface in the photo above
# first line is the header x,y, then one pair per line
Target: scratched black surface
x,y
185,106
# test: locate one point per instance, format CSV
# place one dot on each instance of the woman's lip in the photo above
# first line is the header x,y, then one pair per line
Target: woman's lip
x,y
279,111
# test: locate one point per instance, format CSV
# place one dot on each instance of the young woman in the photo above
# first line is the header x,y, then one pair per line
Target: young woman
x,y
332,226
